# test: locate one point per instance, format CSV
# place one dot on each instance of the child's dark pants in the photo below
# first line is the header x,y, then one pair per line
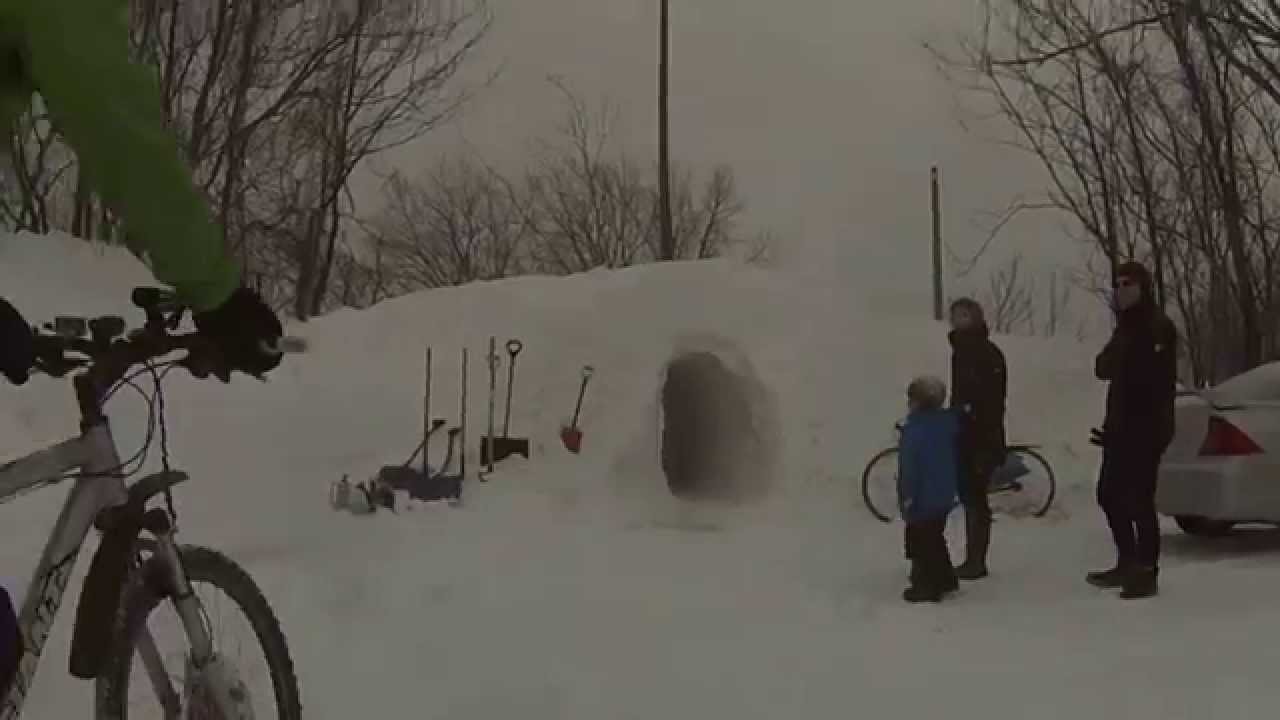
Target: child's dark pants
x,y
926,546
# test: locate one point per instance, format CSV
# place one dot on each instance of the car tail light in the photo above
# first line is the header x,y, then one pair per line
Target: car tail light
x,y
1223,439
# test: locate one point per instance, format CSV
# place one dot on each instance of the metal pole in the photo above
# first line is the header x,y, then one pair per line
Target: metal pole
x,y
937,243
667,241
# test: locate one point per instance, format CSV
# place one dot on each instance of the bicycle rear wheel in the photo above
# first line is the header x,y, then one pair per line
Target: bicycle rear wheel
x,y
204,568
880,485
1029,494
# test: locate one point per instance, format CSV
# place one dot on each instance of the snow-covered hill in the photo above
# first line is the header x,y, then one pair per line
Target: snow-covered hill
x,y
576,586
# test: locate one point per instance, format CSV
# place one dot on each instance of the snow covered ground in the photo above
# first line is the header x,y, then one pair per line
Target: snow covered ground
x,y
576,587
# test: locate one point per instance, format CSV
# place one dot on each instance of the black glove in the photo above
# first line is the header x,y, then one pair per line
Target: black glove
x,y
17,344
1097,437
243,329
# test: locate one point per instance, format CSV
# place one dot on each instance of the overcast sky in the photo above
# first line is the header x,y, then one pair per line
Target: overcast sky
x,y
829,111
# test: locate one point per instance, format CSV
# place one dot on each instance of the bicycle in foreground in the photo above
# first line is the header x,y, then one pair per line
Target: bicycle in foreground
x,y
139,565
1023,486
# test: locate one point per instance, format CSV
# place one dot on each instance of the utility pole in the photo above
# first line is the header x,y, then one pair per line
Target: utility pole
x,y
667,243
937,242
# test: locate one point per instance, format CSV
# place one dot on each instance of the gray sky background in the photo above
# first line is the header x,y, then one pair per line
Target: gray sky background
x,y
829,111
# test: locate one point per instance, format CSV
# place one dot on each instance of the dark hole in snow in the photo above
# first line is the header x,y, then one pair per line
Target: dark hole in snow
x,y
712,449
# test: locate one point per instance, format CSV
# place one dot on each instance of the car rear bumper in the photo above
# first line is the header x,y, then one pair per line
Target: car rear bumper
x,y
1218,489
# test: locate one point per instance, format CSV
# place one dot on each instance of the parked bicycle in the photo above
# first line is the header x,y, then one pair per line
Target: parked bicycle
x,y
139,565
1023,486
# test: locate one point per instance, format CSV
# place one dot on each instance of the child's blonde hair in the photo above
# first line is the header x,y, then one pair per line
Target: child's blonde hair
x,y
927,393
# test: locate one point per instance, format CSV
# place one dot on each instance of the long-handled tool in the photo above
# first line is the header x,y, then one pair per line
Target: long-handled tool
x,y
427,426
571,435
442,485
513,349
505,446
486,443
462,462
365,497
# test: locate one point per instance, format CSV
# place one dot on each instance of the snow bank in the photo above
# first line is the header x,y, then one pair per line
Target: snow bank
x,y
575,586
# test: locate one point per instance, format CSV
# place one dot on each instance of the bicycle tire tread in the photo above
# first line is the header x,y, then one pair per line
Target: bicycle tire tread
x,y
203,565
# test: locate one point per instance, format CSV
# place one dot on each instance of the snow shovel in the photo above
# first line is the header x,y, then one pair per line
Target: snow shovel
x,y
497,449
427,485
447,486
362,498
571,435
486,441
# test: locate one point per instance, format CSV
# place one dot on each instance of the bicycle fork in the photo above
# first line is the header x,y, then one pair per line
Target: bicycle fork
x,y
209,679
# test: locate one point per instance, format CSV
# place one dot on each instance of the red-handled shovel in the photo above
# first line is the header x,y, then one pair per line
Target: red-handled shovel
x,y
570,435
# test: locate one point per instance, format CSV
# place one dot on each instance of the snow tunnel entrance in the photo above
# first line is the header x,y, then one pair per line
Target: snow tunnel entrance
x,y
712,445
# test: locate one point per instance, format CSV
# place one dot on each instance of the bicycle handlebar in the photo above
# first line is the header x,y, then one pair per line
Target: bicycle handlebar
x,y
108,357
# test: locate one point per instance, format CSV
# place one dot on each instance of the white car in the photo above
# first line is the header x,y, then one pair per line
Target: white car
x,y
1223,466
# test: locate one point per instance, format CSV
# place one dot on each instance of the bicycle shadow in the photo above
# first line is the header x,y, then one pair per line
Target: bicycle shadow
x,y
1257,543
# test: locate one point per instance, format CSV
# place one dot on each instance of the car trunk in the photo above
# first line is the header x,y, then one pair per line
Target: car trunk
x,y
1191,423
1223,458
1250,401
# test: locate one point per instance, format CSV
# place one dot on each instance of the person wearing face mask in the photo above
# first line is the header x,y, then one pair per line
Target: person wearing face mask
x,y
1140,365
979,384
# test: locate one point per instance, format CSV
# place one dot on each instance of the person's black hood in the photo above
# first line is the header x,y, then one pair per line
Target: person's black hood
x,y
1138,272
974,333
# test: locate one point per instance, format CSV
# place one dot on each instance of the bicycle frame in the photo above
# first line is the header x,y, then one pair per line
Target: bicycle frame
x,y
98,491
94,454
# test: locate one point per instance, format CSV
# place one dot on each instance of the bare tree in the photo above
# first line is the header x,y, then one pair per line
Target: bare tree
x,y
39,173
364,279
587,207
388,84
592,206
1057,301
1154,143
463,222
703,223
276,102
1010,299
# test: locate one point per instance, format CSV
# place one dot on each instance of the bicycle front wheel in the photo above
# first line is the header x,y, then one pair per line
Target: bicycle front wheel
x,y
880,485
164,685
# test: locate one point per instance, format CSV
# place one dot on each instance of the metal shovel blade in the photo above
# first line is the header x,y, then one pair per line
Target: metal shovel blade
x,y
572,439
503,448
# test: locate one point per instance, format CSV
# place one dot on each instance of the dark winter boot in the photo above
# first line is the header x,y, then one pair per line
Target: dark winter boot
x,y
950,584
922,594
946,578
916,577
1109,579
1141,582
977,538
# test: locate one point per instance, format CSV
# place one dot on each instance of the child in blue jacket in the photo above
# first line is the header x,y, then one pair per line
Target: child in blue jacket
x,y
928,471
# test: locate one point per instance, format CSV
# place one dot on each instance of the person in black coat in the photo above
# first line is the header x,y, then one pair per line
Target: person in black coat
x,y
979,385
1140,364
